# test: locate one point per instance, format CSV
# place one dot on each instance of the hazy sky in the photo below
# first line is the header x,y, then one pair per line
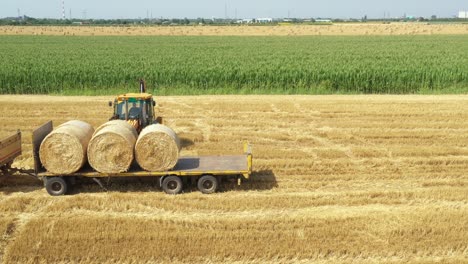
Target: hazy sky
x,y
245,8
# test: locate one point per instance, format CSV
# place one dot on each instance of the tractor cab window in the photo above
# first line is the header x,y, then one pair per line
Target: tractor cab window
x,y
149,109
120,110
134,109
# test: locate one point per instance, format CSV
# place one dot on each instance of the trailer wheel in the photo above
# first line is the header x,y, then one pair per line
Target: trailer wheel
x,y
56,186
172,185
207,184
5,168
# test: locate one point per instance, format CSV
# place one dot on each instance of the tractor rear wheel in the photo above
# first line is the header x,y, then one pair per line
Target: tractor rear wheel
x,y
172,185
56,186
207,184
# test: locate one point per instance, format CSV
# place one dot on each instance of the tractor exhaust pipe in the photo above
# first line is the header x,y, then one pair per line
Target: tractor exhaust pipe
x,y
142,86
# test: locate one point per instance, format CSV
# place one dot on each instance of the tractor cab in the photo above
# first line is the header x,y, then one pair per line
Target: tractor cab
x,y
135,108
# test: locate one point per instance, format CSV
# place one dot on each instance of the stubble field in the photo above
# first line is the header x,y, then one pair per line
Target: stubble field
x,y
338,179
344,29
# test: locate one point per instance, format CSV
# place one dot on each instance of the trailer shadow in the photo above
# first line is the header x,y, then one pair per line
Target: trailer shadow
x,y
259,181
117,184
19,183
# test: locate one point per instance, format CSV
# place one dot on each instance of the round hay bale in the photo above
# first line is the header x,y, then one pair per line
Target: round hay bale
x,y
157,148
64,150
117,122
111,147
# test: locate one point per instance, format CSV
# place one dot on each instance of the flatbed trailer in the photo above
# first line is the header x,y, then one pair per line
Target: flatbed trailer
x,y
204,171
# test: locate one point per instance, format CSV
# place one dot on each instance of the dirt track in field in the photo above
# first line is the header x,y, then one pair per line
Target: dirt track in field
x,y
372,179
291,30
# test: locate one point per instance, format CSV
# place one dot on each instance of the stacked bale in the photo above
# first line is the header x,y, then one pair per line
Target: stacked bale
x,y
111,147
157,148
119,123
64,150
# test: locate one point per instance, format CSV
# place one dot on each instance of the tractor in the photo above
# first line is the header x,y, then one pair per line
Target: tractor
x,y
136,108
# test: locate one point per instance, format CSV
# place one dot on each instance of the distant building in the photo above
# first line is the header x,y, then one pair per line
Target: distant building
x,y
321,20
254,20
245,21
463,14
264,20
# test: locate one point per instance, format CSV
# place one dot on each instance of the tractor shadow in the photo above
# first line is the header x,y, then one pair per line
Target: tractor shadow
x,y
186,142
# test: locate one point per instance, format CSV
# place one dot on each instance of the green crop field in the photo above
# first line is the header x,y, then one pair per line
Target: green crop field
x,y
226,65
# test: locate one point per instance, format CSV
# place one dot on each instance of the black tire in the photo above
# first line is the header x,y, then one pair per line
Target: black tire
x,y
6,168
56,186
207,184
172,185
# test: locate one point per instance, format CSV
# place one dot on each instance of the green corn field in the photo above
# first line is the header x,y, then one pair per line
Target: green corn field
x,y
234,65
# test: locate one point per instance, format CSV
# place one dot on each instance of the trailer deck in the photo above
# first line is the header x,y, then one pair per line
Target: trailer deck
x,y
186,166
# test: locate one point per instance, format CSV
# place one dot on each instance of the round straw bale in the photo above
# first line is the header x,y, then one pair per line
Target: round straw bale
x,y
157,148
63,151
111,148
120,123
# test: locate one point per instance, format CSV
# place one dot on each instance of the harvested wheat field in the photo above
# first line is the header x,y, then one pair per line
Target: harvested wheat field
x,y
338,179
289,30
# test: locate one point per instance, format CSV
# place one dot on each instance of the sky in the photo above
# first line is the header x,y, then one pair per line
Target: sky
x,y
233,9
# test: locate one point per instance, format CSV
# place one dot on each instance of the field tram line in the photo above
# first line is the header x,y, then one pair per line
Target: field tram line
x,y
299,108
347,150
274,108
5,238
204,127
15,228
201,122
329,144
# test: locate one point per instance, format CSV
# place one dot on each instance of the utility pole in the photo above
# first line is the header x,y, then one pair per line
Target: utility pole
x,y
63,9
225,10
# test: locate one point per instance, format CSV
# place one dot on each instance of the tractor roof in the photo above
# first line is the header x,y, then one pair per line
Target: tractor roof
x,y
141,96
